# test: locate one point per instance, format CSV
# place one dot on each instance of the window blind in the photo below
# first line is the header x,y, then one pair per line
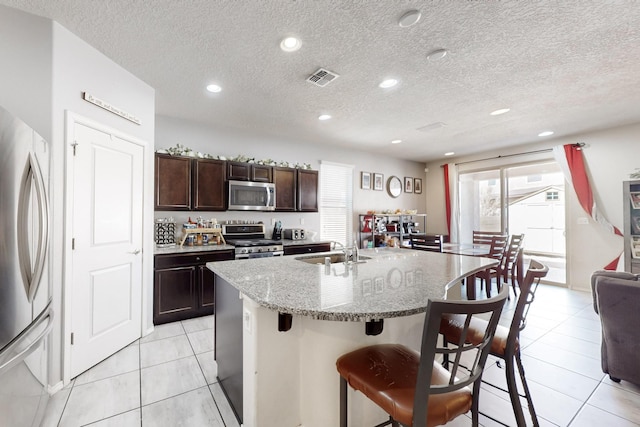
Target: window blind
x,y
336,202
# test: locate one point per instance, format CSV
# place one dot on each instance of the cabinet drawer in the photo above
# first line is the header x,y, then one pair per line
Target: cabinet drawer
x,y
307,249
195,258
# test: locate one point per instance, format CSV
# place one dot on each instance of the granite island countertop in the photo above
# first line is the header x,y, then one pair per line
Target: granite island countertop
x,y
392,283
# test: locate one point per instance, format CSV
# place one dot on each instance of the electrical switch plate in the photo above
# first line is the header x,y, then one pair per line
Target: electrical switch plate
x,y
246,319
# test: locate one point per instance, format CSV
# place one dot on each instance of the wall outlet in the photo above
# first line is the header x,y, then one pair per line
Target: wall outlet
x,y
301,221
583,220
273,221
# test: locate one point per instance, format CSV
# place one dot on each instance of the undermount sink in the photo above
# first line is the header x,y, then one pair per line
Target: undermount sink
x,y
334,258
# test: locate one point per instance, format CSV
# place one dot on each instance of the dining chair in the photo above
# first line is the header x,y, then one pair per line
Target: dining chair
x,y
506,341
413,388
484,237
512,261
497,249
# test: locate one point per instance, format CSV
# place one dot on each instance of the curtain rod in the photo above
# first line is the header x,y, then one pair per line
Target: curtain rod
x,y
579,145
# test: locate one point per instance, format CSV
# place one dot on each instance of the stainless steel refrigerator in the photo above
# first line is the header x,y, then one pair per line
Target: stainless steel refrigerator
x,y
25,291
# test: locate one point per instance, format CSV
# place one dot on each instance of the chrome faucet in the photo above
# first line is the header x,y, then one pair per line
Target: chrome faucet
x,y
345,250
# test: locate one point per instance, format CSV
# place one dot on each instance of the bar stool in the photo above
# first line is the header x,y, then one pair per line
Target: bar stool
x,y
413,388
505,344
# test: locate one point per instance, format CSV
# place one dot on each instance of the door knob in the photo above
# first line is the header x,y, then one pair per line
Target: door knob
x,y
136,252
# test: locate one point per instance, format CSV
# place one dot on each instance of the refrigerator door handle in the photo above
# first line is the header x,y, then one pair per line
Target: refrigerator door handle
x,y
45,316
32,176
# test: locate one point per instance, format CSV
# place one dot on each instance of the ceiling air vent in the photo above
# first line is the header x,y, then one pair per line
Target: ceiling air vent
x,y
322,77
432,126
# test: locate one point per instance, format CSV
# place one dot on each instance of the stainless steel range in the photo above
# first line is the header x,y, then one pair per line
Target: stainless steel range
x,y
250,241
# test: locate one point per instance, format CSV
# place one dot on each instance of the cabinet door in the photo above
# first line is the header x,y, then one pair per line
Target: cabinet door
x,y
307,190
261,173
175,297
172,183
207,290
209,185
238,171
285,181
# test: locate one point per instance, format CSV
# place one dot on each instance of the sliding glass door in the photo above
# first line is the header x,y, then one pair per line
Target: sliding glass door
x,y
524,199
480,196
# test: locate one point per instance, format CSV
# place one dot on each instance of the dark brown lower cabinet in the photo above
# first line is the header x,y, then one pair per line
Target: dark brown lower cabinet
x,y
183,285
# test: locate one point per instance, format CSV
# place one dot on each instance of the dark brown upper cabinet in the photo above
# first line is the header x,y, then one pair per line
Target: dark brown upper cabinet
x,y
307,197
209,188
249,172
172,183
285,180
183,184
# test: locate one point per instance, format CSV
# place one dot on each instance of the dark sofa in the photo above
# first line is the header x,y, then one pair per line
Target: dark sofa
x,y
616,299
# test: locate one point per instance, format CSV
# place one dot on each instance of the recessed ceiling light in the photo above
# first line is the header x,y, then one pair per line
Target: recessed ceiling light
x,y
436,55
214,88
546,133
450,153
388,83
500,111
410,18
290,44
396,141
324,117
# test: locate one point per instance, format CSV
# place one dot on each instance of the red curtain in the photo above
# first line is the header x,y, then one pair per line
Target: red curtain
x,y
447,197
582,187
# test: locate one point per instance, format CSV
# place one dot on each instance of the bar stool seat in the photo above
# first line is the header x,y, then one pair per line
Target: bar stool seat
x,y
391,383
413,388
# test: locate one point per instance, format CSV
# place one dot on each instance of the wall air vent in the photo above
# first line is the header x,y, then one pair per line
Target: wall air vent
x,y
322,77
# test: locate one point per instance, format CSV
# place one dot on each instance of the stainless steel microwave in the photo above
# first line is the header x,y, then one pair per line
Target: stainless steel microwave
x,y
251,196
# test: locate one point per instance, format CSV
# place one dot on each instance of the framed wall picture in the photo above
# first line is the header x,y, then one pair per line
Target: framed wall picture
x,y
378,181
417,185
408,184
365,180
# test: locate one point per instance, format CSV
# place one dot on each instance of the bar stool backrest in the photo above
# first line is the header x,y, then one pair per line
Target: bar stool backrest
x,y
430,348
528,289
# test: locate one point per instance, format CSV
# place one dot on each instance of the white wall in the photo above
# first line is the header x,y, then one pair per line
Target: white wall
x,y
26,70
610,156
78,68
234,142
44,71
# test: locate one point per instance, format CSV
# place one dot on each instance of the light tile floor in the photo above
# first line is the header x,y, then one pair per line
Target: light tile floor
x,y
168,378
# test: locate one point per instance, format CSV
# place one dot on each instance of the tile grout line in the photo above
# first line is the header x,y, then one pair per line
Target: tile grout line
x,y
140,380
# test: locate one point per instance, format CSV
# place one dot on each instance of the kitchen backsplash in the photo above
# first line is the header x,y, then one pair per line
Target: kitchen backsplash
x,y
310,222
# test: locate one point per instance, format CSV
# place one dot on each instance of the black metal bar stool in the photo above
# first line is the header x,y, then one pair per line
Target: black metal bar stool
x,y
413,388
505,344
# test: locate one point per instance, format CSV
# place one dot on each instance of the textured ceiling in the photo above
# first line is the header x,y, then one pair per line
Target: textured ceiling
x,y
569,66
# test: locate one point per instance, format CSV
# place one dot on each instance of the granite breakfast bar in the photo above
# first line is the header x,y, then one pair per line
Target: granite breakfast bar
x,y
289,378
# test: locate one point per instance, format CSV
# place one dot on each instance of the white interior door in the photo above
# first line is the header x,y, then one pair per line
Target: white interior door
x,y
106,254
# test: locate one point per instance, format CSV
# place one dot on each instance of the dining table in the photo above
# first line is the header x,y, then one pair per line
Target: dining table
x,y
472,249
469,249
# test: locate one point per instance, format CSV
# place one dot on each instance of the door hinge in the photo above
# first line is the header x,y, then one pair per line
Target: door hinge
x,y
73,243
74,145
71,338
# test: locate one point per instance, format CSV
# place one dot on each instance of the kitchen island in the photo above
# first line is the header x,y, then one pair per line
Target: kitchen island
x,y
288,377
